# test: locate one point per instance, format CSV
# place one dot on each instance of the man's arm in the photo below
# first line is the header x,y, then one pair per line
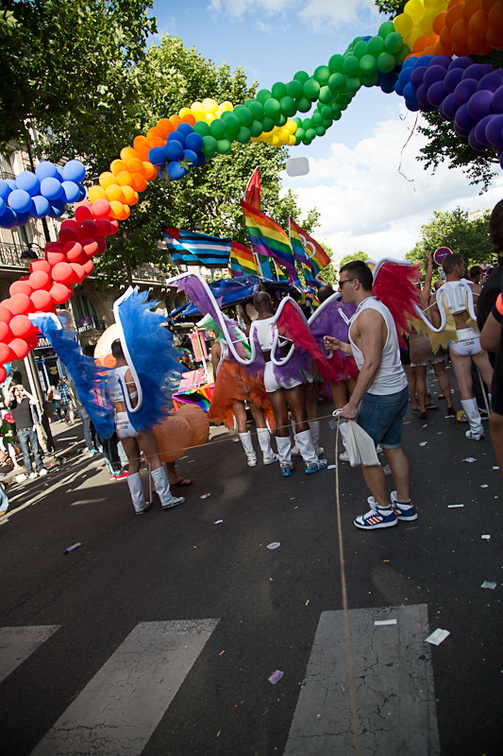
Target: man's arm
x,y
370,334
216,353
335,345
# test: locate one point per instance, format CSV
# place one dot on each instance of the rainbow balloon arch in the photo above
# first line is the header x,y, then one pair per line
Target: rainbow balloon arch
x,y
423,55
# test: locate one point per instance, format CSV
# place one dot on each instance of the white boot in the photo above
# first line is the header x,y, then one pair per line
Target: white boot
x,y
137,495
264,441
476,431
306,446
314,427
162,489
246,440
284,445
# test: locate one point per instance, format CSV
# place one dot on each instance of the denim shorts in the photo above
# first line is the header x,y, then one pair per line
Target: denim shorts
x,y
381,417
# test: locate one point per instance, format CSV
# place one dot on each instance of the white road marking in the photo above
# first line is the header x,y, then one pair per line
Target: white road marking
x,y
17,643
394,679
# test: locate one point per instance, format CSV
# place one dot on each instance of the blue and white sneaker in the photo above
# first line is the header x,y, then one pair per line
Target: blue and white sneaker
x,y
313,467
286,471
377,517
404,510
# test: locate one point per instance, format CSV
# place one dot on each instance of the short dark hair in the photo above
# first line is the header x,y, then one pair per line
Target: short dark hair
x,y
324,292
117,349
496,228
475,270
450,262
360,270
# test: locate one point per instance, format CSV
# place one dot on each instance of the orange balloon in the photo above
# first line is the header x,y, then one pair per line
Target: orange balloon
x,y
445,39
488,4
454,13
470,7
495,39
154,133
116,166
198,421
150,170
124,178
138,182
106,179
175,120
124,213
130,196
127,153
459,35
135,165
478,25
115,209
439,22
496,18
188,118
441,49
420,43
174,437
430,50
156,142
114,192
165,127
478,45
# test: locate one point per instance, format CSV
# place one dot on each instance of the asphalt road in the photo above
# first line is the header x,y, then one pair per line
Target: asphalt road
x,y
158,635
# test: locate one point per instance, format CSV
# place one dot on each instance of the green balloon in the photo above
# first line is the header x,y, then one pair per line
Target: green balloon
x,y
218,129
278,90
353,83
244,115
320,130
337,82
316,118
385,62
336,110
337,116
301,76
223,146
402,54
326,111
202,128
367,64
267,124
264,95
321,75
375,46
232,123
303,105
280,120
351,65
360,50
311,89
310,134
369,79
298,121
256,109
300,134
393,42
288,106
271,107
386,28
209,145
326,122
335,63
326,95
256,128
243,135
307,124
294,89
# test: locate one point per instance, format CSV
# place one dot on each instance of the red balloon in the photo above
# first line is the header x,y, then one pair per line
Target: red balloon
x,y
19,304
53,258
32,339
102,245
62,272
5,334
101,208
70,223
61,293
5,313
68,234
88,267
88,228
79,272
21,325
20,287
104,227
3,374
40,265
90,246
115,226
54,247
73,250
41,301
39,279
83,212
5,353
19,348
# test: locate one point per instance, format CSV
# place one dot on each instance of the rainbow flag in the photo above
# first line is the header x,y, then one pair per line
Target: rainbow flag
x,y
242,261
317,258
268,238
253,190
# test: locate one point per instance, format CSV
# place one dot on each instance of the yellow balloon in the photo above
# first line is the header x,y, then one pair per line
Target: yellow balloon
x,y
403,24
209,105
107,179
291,126
291,140
96,192
430,4
226,106
426,21
183,112
415,9
412,37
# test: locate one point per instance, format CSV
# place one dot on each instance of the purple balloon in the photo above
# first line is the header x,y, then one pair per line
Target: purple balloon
x,y
440,60
492,81
498,100
464,90
452,79
416,77
494,131
480,104
433,74
476,71
449,108
480,131
473,141
436,94
9,218
462,63
22,218
463,123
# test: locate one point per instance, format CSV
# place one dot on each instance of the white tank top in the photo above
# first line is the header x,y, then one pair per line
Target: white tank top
x,y
114,387
265,333
390,377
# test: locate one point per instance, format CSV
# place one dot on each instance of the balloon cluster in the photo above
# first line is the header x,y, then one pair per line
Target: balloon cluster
x,y
42,193
436,27
50,282
182,150
469,94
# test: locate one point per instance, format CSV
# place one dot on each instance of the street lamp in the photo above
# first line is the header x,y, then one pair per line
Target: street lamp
x,y
28,255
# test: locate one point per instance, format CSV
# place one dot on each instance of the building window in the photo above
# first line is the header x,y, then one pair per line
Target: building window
x,y
85,314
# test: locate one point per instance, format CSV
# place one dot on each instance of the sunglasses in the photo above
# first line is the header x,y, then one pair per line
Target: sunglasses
x,y
346,280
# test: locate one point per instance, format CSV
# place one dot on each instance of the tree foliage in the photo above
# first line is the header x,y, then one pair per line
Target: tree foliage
x,y
353,258
465,235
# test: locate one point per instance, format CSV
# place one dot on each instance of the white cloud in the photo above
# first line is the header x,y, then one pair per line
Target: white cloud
x,y
318,14
371,199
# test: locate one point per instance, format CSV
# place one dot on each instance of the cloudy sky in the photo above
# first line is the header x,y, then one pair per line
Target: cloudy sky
x,y
372,193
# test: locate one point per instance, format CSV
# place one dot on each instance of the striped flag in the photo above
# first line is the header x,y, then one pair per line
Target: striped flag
x,y
316,255
191,248
242,261
268,238
253,190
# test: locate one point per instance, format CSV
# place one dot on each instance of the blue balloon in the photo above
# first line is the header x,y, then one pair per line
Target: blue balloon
x,y
174,150
175,171
12,184
82,192
201,159
22,218
176,136
29,182
9,218
57,208
40,206
46,169
51,188
157,156
71,191
194,141
5,189
74,171
19,201
190,155
184,128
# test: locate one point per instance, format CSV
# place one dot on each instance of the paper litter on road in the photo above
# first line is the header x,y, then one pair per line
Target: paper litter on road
x,y
495,467
331,467
437,636
381,623
276,677
205,496
486,537
469,459
489,584
423,443
273,545
484,485
217,522
452,506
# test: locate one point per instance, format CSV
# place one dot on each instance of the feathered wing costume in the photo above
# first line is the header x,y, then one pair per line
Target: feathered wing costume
x,y
332,318
463,297
88,378
151,356
395,286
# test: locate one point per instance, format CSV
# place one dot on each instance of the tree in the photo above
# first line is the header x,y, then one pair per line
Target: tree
x,y
457,231
353,258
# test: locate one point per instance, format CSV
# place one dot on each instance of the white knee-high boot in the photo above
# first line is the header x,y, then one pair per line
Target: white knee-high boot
x,y
136,490
476,431
306,447
163,491
284,445
314,427
264,441
247,443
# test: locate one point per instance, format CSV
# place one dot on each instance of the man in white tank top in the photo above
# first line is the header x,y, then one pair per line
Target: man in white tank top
x,y
380,397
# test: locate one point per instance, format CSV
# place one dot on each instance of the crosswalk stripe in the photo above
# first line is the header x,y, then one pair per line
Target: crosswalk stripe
x,y
394,678
17,643
119,709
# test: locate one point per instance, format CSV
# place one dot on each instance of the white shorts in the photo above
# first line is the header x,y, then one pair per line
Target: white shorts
x,y
467,342
123,425
270,382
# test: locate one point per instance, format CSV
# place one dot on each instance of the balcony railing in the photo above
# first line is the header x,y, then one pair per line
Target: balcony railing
x,y
10,254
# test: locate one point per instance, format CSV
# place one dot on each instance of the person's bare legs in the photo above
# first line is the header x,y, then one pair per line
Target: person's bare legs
x,y
484,367
376,483
443,382
240,414
400,472
280,408
420,376
462,366
133,454
411,382
296,400
339,394
258,416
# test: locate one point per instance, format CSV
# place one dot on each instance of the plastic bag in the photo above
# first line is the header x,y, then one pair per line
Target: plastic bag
x,y
359,445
